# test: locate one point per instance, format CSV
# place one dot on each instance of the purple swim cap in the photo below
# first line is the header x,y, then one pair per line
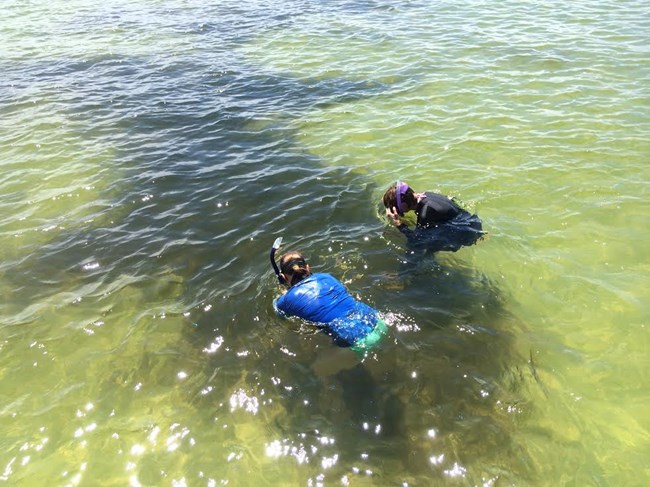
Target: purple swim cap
x,y
400,189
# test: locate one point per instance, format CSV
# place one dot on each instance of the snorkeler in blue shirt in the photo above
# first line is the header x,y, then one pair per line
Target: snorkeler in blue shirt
x,y
323,300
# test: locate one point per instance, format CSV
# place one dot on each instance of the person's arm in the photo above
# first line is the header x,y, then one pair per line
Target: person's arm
x,y
394,218
277,306
409,232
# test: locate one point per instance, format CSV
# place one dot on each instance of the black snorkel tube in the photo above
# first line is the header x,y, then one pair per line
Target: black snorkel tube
x,y
274,248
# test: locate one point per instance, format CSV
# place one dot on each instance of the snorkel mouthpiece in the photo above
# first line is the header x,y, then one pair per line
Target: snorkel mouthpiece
x,y
274,248
400,189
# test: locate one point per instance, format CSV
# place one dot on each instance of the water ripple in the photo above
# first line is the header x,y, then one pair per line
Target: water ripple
x,y
151,154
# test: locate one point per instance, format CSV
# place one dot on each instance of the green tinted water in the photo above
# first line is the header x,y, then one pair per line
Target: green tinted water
x,y
151,154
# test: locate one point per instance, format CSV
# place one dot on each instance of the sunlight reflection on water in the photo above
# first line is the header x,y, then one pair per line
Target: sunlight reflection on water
x,y
150,158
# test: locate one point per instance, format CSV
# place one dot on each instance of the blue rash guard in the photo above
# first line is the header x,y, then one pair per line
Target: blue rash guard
x,y
323,300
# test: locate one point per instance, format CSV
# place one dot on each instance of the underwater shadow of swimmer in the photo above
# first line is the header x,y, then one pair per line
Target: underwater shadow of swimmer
x,y
371,403
436,288
464,356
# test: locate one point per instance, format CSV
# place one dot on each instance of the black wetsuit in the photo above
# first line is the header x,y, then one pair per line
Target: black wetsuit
x,y
436,208
442,225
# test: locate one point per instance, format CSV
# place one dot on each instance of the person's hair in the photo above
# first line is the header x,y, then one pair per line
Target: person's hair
x,y
390,197
294,267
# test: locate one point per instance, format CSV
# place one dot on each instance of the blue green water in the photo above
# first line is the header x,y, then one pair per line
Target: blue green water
x,y
152,151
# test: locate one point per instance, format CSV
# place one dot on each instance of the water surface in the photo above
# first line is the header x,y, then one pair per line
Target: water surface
x,y
152,152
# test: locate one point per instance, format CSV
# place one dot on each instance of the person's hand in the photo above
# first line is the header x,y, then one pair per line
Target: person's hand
x,y
393,216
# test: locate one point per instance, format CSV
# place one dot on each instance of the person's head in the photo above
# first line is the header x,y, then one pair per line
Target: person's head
x,y
401,197
293,268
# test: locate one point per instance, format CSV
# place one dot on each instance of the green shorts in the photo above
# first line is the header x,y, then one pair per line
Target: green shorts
x,y
362,345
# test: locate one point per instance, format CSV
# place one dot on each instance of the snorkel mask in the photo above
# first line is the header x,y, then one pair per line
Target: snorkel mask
x,y
274,248
400,189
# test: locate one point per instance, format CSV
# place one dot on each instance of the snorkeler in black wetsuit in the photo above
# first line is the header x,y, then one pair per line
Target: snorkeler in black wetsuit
x,y
441,223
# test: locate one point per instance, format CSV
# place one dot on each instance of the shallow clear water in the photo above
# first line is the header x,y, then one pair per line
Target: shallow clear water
x,y
151,152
